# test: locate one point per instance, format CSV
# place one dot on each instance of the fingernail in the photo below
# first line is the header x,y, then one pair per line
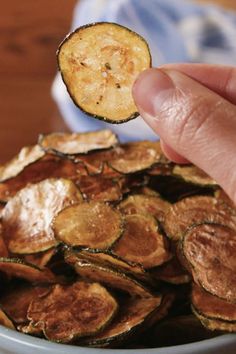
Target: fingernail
x,y
151,90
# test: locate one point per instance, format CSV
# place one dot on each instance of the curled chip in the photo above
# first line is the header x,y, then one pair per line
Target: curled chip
x,y
89,224
142,242
77,143
134,315
193,174
214,313
135,156
209,250
18,268
28,215
70,312
26,156
111,277
195,210
5,320
99,63
145,204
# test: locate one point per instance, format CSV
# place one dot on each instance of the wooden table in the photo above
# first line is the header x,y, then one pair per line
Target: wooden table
x,y
30,32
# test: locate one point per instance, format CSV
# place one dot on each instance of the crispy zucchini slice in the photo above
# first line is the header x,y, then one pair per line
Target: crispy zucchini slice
x,y
194,210
86,224
214,313
134,315
77,143
108,276
70,312
209,250
16,301
193,174
40,259
144,204
26,156
99,188
135,156
18,268
5,320
27,217
99,63
142,242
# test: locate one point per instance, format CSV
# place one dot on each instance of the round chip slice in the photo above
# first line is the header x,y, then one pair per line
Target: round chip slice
x,y
142,242
193,174
69,312
28,215
89,224
99,63
209,250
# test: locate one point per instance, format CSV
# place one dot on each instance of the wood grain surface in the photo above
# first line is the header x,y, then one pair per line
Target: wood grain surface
x,y
30,32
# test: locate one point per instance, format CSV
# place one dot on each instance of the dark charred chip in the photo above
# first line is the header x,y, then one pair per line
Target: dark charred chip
x,y
135,156
171,272
99,188
144,204
195,210
28,215
134,316
209,250
16,301
214,313
18,268
40,259
142,242
193,174
89,224
111,277
70,312
99,64
5,320
77,143
26,156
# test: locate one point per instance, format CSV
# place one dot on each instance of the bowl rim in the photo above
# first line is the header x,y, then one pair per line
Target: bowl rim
x,y
9,338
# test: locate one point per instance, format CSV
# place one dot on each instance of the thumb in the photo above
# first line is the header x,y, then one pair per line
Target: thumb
x,y
194,121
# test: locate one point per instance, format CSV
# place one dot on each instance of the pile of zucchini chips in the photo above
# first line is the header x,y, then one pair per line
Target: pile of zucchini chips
x,y
102,241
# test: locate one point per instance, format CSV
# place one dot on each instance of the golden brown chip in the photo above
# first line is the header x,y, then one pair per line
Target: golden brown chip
x,y
18,268
78,143
144,204
193,174
111,277
26,156
5,320
209,250
27,217
89,224
69,312
99,64
142,242
195,210
40,259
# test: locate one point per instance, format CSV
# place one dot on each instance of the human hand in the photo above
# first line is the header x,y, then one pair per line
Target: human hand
x,y
192,107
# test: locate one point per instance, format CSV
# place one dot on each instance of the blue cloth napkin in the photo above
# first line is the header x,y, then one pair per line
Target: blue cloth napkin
x,y
176,30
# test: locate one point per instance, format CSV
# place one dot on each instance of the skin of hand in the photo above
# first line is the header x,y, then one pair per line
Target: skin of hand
x,y
192,107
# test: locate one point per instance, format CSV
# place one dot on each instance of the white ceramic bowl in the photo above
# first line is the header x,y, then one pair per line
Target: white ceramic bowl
x,y
12,342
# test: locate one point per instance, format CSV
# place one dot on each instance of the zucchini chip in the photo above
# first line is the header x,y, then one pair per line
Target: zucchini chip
x,y
18,268
40,259
27,216
209,250
142,242
77,143
111,277
5,320
86,224
135,315
195,210
26,156
144,204
135,156
99,63
171,272
214,313
193,174
70,312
